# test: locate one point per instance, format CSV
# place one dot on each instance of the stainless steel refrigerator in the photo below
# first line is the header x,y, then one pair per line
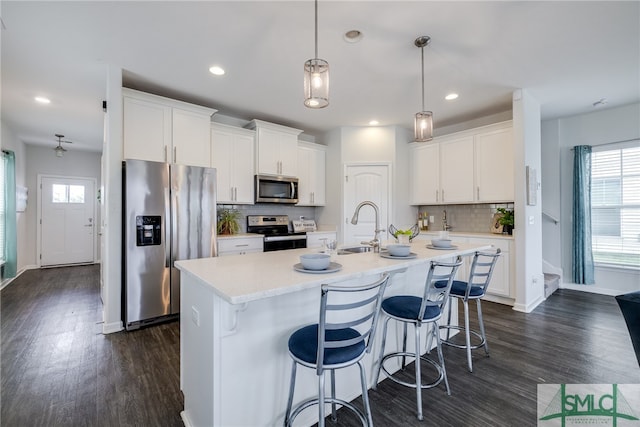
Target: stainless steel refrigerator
x,y
169,214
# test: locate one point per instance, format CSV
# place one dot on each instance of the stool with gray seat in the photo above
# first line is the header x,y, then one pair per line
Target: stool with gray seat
x,y
418,311
344,333
474,289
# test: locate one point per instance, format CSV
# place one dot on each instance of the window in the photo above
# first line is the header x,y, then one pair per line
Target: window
x,y
62,193
615,205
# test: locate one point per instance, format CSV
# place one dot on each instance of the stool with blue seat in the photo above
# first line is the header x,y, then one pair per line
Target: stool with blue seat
x,y
341,338
425,309
473,289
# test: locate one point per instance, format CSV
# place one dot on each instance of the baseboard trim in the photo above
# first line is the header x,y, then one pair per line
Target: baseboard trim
x,y
185,419
110,328
528,308
591,289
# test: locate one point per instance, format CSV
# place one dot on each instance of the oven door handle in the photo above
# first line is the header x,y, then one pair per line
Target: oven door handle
x,y
284,238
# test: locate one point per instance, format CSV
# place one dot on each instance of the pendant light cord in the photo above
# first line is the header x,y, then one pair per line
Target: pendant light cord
x,y
317,30
422,50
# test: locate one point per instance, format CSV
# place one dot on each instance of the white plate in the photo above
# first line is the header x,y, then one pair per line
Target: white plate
x,y
388,255
442,249
333,267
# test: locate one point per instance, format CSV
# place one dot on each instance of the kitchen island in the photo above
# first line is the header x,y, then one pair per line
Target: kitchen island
x,y
236,317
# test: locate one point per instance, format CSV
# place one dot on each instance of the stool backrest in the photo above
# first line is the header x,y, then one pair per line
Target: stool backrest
x,y
482,269
433,296
355,307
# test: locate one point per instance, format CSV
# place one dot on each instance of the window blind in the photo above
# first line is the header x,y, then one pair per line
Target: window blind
x,y
615,205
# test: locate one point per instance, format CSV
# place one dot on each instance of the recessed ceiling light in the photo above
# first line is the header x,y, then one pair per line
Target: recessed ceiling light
x,y
42,100
374,123
353,36
216,70
451,96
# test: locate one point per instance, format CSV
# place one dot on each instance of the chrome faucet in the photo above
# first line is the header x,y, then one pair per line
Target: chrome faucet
x,y
375,243
445,226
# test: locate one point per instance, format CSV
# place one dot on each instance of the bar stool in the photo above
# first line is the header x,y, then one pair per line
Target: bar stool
x,y
348,318
419,310
479,278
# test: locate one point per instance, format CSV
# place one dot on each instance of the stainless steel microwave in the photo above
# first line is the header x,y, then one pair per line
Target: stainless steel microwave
x,y
276,189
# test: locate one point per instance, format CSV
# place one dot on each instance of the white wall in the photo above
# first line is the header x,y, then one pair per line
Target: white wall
x,y
528,229
42,160
599,127
9,141
550,193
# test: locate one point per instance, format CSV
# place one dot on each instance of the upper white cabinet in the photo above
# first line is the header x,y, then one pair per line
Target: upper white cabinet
x,y
165,130
232,154
494,165
276,148
311,174
425,170
456,170
466,167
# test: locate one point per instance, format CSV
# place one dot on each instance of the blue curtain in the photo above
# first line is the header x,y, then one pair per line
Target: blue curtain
x,y
582,254
11,238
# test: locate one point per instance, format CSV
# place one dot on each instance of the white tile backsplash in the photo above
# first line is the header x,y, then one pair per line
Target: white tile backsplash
x,y
466,218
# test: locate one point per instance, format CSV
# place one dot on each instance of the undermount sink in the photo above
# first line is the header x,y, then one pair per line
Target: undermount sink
x,y
355,250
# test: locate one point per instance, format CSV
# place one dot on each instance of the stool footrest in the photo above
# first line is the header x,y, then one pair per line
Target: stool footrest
x,y
412,385
328,400
456,345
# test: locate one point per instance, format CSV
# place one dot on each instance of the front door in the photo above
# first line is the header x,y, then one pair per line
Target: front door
x,y
365,182
67,228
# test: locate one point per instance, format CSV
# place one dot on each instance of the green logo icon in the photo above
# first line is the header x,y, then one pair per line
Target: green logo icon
x,y
587,404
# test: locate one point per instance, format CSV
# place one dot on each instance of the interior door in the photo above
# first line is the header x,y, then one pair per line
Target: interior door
x,y
365,182
67,220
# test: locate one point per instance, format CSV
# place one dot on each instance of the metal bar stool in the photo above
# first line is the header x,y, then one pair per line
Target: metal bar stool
x,y
419,310
474,289
340,339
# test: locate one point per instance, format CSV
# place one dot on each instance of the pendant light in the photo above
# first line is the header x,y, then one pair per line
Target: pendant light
x,y
316,77
423,128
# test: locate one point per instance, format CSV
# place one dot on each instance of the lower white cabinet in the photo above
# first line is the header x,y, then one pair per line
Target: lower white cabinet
x,y
314,238
239,244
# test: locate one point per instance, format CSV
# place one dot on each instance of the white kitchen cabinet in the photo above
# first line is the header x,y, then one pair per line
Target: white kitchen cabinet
x,y
425,172
276,148
456,170
494,165
232,154
473,166
240,244
315,238
165,130
311,174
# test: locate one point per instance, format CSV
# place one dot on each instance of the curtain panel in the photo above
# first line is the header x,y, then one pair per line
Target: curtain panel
x,y
10,233
582,254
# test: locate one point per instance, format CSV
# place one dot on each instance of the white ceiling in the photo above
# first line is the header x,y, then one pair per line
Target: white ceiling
x,y
568,55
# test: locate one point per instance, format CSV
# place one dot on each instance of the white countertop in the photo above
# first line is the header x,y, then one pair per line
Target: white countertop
x,y
251,277
239,235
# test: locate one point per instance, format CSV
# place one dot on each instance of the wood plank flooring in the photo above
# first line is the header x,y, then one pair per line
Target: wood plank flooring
x,y
57,369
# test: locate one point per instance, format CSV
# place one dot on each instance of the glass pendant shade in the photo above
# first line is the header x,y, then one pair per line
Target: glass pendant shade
x,y
423,130
316,83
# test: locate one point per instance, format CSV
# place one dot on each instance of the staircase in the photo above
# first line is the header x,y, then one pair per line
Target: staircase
x,y
551,283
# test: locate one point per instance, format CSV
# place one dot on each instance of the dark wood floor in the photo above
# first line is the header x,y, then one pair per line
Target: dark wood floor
x,y
57,369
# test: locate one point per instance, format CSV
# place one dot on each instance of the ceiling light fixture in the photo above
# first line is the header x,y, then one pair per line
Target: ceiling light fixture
x,y
423,128
353,36
451,96
216,71
316,76
42,100
374,123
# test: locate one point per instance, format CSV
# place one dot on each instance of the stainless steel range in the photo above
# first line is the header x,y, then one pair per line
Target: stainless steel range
x,y
277,235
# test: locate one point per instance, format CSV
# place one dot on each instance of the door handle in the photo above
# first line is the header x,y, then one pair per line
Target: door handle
x,y
88,225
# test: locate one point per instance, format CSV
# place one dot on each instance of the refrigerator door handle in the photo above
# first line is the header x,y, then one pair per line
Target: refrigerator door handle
x,y
168,227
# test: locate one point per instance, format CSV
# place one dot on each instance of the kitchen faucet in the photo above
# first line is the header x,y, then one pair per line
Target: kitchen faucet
x,y
375,243
445,226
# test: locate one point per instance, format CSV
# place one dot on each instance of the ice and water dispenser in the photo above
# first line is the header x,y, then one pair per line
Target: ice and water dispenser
x,y
148,230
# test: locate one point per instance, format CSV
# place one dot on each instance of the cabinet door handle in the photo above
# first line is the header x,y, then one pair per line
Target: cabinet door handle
x,y
235,194
165,153
437,196
175,154
478,193
443,194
